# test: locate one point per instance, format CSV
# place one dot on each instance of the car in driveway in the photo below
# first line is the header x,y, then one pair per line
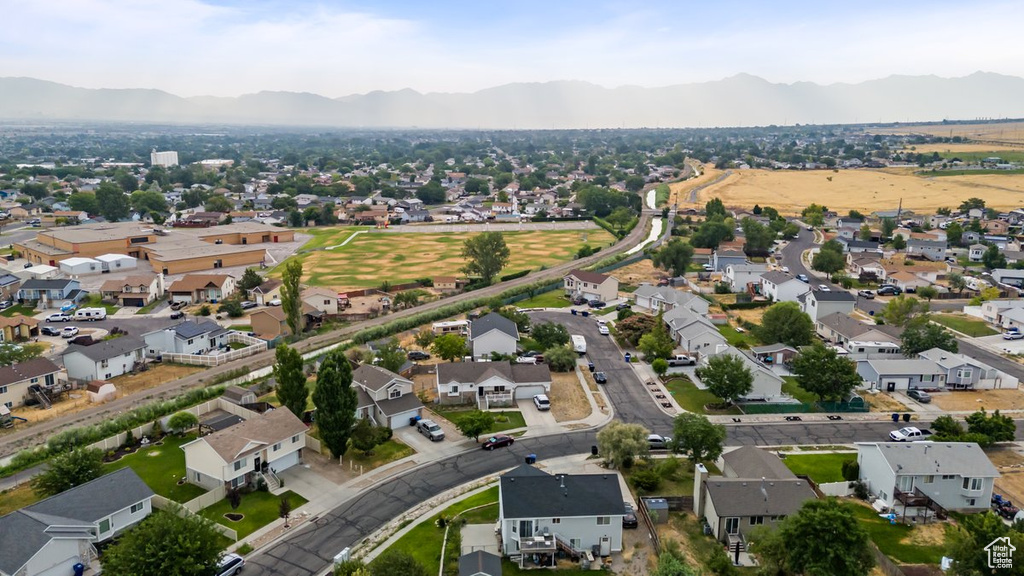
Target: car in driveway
x,y
600,378
596,304
430,429
542,402
888,290
866,294
6,304
69,332
658,442
497,441
178,304
230,565
248,304
785,269
1013,336
49,331
919,395
59,317
274,302
417,355
629,518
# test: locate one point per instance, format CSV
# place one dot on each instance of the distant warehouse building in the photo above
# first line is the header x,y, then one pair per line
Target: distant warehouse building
x,y
165,159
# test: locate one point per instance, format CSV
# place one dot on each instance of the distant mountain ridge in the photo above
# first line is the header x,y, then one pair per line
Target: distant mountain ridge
x,y
741,100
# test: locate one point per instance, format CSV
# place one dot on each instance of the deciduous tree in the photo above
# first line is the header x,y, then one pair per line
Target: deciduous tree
x,y
449,347
486,254
182,422
620,443
390,355
291,388
111,201
560,358
475,423
903,309
250,279
11,353
393,562
822,371
67,471
727,377
785,322
291,301
171,542
674,257
658,342
921,336
335,402
550,334
825,539
697,437
993,258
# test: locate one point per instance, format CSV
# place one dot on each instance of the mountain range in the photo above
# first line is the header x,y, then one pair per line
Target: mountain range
x,y
741,100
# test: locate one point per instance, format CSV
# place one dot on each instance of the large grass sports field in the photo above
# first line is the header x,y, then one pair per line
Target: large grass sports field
x,y
373,257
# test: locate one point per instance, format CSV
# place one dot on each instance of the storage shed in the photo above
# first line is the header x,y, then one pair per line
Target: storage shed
x,y
100,391
78,265
112,262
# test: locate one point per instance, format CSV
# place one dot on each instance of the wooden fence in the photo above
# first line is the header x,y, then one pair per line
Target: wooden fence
x,y
253,346
161,503
888,567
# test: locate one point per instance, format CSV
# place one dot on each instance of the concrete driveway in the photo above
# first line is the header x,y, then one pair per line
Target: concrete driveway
x,y
997,344
538,421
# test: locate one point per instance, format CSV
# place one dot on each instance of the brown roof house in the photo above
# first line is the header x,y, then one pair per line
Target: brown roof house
x,y
196,288
322,299
446,283
591,285
16,379
136,290
18,327
270,322
239,455
385,397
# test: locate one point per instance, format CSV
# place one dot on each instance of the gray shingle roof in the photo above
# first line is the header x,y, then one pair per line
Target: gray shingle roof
x,y
753,462
912,366
845,324
777,277
46,284
592,277
833,296
96,499
479,563
23,537
964,458
403,403
107,349
464,372
527,492
374,377
744,497
493,321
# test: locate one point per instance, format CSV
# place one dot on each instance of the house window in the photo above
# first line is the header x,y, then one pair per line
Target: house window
x,y
190,341
295,439
395,393
238,482
104,364
604,520
756,520
948,476
239,464
556,520
929,479
453,390
9,404
198,476
905,483
971,501
576,543
964,373
972,484
104,525
277,447
136,508
3,389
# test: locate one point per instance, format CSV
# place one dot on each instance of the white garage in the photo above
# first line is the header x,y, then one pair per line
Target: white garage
x,y
528,391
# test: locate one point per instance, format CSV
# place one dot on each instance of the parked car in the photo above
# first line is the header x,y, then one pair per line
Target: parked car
x,y
919,395
542,402
866,294
177,314
603,330
497,441
658,442
59,317
248,304
417,355
629,519
530,353
526,360
230,565
682,360
1013,336
803,278
49,331
824,288
785,269
178,304
888,290
622,305
274,302
596,304
431,430
708,267
600,378
69,332
6,304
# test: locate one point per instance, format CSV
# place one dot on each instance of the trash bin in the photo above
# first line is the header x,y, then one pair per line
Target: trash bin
x,y
593,450
573,311
414,420
79,569
906,417
628,358
895,418
590,366
531,458
585,313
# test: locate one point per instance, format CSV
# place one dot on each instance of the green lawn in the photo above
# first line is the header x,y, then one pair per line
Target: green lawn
x,y
160,467
792,387
889,538
680,483
387,452
149,307
505,420
693,399
819,467
424,540
552,299
236,345
606,311
17,498
970,327
1005,155
258,510
96,301
240,327
328,236
661,194
18,309
738,339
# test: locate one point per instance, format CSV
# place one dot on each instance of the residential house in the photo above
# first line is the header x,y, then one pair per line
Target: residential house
x,y
18,327
446,284
105,359
821,303
1012,318
905,374
738,276
270,322
483,383
966,373
855,246
756,489
999,227
665,298
693,331
479,563
774,354
268,291
767,384
782,287
934,250
957,476
906,281
540,513
385,398
591,285
261,446
137,290
992,310
975,252
51,291
322,299
1009,277
186,338
16,379
198,288
9,285
51,536
492,333
722,258
25,211
702,255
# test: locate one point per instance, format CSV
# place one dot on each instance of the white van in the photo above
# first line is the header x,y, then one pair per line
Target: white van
x,y
91,314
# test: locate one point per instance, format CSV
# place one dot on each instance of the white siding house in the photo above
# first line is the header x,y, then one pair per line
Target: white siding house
x,y
767,385
186,338
493,333
389,399
104,360
782,287
737,276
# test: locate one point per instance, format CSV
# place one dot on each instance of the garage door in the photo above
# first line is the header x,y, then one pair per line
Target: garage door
x,y
186,298
402,419
139,302
890,384
285,462
528,392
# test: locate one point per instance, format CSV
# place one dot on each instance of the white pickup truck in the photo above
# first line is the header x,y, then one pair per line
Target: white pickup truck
x,y
910,434
681,360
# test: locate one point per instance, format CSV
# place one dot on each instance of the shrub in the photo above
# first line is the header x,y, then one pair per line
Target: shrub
x,y
851,470
722,288
860,490
204,311
647,479
515,275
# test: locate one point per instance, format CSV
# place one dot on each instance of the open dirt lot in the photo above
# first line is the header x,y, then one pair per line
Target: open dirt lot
x,y
790,191
369,259
1004,132
951,149
978,399
642,271
568,401
883,402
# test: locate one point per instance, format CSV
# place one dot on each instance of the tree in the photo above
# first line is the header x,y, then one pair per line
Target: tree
x,y
620,443
486,254
660,366
971,204
814,215
828,261
898,242
35,190
946,429
713,208
628,331
335,402
954,233
921,336
903,309
290,375
634,183
619,217
992,258
674,256
232,308
697,437
390,355
291,303
711,233
425,337
408,299
67,471
147,201
888,226
657,343
11,353
766,543
284,509
967,541
475,423
295,218
392,562
825,539
449,347
997,428
927,292
173,543
824,372
560,358
865,232
957,282
126,180
431,193
366,436
250,279
727,377
550,334
182,422
111,201
785,322
85,202
790,231
758,237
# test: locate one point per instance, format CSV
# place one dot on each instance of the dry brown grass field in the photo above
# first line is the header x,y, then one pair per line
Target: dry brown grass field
x,y
680,191
944,149
790,191
1007,132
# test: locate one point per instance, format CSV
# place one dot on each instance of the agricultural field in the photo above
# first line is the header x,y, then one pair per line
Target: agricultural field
x,y
843,190
371,258
1003,132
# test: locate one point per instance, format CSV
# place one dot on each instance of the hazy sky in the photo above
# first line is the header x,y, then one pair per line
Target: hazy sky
x,y
335,48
